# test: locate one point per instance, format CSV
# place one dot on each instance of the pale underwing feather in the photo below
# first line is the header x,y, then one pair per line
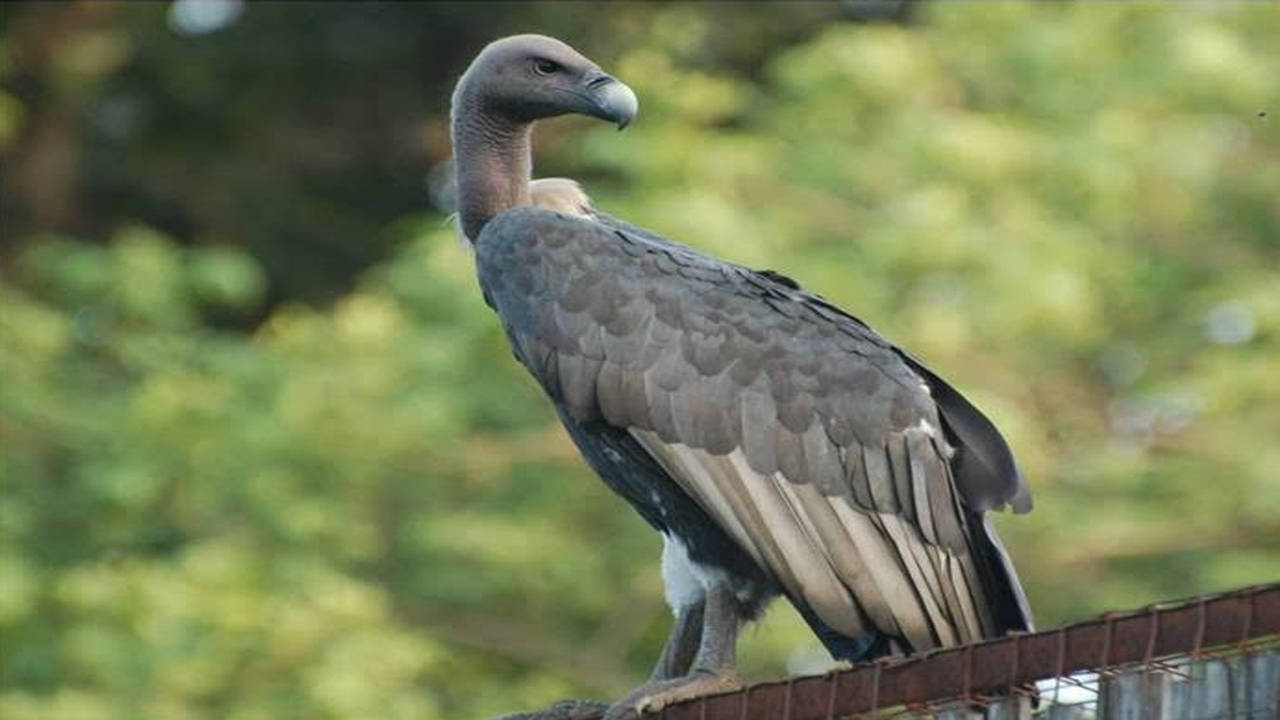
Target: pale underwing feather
x,y
848,623
971,624
704,492
846,555
923,575
817,584
881,561
737,498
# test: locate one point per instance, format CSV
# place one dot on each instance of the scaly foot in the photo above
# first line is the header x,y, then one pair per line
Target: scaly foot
x,y
654,696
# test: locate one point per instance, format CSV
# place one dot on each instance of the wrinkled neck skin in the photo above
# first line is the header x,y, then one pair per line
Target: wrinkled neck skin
x,y
492,160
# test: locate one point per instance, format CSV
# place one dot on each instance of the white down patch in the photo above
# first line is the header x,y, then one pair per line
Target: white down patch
x,y
932,431
684,581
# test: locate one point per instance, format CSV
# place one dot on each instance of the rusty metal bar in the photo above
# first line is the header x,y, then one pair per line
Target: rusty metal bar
x,y
1003,665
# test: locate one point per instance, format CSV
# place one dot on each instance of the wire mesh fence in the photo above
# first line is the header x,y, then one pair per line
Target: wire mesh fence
x,y
1237,686
1200,659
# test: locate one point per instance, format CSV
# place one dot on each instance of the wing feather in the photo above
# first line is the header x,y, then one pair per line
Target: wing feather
x,y
816,582
626,335
881,560
875,463
702,489
959,576
611,395
756,411
855,473
924,577
717,402
790,453
817,528
918,477
656,408
578,375
822,458
848,557
895,448
944,507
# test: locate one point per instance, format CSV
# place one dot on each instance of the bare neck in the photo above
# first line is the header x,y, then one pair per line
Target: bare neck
x,y
492,160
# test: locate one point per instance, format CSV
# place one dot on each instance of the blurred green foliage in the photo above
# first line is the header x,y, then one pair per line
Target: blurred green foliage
x,y
364,508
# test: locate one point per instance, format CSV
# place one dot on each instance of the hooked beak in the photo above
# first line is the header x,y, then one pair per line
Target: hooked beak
x,y
613,100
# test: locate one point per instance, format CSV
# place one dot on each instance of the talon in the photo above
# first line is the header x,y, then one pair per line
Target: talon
x,y
649,703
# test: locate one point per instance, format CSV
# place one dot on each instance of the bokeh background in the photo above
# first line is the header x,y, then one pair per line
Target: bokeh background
x,y
265,453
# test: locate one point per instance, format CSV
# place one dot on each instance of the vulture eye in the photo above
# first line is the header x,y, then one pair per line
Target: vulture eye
x,y
546,67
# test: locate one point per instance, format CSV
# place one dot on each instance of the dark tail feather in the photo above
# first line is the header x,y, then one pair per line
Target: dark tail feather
x,y
867,646
1000,584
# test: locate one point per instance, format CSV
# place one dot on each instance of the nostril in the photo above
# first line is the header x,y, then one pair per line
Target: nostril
x,y
599,80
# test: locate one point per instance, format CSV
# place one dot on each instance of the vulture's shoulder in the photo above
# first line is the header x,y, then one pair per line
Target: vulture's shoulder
x,y
621,276
621,324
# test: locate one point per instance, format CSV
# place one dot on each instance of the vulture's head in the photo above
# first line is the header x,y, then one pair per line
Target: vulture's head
x,y
528,77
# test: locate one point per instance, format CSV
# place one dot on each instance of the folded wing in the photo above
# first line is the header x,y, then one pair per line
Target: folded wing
x,y
808,438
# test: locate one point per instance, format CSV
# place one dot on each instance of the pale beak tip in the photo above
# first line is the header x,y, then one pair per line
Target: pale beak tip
x,y
617,102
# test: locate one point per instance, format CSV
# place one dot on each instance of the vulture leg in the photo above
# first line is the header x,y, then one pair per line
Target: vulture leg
x,y
682,644
718,651
714,665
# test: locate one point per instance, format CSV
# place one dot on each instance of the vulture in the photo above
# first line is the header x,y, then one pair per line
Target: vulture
x,y
778,444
